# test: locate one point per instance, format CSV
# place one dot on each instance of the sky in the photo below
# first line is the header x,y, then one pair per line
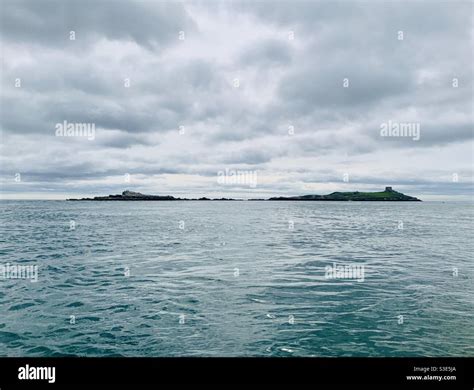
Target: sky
x,y
235,98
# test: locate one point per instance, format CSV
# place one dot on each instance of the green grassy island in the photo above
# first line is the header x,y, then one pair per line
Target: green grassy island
x,y
388,195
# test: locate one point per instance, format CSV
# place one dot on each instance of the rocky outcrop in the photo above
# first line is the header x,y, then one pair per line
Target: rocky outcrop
x,y
130,195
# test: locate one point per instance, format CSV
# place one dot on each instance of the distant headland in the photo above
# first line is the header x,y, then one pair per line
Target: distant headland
x,y
388,195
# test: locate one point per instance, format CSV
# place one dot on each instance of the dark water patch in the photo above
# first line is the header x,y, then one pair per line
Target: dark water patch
x,y
8,337
75,304
21,306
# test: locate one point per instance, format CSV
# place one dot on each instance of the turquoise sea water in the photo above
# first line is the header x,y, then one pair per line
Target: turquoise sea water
x,y
237,279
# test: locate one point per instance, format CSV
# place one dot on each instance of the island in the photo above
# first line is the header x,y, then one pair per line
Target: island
x,y
388,195
134,196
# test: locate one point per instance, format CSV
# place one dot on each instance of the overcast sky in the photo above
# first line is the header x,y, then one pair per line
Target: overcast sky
x,y
294,91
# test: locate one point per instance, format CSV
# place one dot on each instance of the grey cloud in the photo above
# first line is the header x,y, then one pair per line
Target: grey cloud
x,y
250,156
119,139
420,18
322,85
269,53
161,95
48,22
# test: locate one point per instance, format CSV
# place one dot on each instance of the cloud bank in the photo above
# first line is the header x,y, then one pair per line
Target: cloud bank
x,y
177,92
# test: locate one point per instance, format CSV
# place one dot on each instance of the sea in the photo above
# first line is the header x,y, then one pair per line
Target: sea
x,y
236,278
